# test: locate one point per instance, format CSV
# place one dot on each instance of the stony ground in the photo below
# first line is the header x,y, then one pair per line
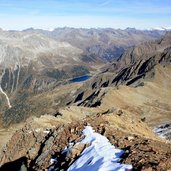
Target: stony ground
x,y
45,138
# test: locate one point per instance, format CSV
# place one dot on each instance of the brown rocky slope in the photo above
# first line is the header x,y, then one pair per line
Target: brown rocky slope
x,y
41,139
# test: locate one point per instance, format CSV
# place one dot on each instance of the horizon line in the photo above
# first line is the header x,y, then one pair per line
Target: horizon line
x,y
88,28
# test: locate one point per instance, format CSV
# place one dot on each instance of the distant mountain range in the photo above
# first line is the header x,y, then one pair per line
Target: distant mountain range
x,y
107,44
34,61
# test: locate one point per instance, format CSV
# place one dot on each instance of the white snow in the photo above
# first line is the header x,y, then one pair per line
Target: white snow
x,y
1,90
53,160
99,156
46,132
163,131
8,101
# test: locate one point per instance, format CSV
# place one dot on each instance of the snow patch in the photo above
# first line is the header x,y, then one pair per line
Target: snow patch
x,y
46,132
37,130
53,160
99,156
3,92
163,130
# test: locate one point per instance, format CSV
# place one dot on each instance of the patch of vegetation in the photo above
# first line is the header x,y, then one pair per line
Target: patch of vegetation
x,y
5,79
16,114
77,71
57,74
89,57
22,96
19,111
22,104
28,82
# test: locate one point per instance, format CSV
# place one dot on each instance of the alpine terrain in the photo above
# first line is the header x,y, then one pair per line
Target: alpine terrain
x,y
85,99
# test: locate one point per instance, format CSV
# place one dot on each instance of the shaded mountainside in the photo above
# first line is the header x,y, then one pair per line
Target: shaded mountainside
x,y
131,69
107,43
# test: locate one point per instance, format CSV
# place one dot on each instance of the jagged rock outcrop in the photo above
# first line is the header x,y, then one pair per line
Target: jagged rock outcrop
x,y
38,140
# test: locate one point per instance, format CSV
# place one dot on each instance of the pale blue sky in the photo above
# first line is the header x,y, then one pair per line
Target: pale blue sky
x,y
49,14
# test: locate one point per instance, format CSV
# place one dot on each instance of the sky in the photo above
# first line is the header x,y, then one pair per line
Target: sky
x,y
50,14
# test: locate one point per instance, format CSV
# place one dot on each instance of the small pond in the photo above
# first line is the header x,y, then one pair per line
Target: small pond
x,y
80,79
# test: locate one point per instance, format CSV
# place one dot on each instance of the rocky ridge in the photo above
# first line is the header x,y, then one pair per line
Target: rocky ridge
x,y
45,138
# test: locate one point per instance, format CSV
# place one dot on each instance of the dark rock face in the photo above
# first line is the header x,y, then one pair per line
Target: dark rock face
x,y
39,145
19,164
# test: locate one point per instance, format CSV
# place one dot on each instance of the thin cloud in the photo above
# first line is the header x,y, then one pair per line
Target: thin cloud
x,y
105,3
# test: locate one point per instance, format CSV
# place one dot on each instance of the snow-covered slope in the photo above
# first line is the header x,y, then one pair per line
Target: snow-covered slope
x,y
99,156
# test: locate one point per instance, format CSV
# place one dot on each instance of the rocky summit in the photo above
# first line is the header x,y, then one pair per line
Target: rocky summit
x,y
117,119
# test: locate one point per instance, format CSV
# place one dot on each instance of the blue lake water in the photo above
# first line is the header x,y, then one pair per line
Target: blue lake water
x,y
80,79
